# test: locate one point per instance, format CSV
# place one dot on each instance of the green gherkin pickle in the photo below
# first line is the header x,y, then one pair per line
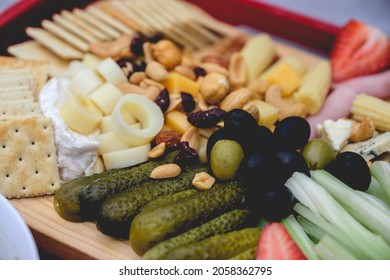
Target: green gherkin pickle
x,y
66,199
152,226
169,199
95,193
217,247
248,254
226,222
117,211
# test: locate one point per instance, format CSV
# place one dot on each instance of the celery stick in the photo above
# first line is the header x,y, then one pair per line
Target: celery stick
x,y
378,191
329,249
375,202
300,195
335,232
315,232
373,245
300,237
381,171
360,208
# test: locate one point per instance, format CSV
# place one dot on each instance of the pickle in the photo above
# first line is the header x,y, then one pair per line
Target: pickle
x,y
217,247
248,254
118,210
95,193
66,199
168,199
224,223
152,226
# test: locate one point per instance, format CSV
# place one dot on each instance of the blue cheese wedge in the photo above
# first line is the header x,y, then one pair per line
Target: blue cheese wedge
x,y
336,132
371,148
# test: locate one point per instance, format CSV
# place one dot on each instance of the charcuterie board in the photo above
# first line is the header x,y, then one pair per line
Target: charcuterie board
x,y
68,240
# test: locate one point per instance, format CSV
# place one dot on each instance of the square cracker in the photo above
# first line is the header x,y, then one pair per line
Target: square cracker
x,y
53,43
39,69
17,81
32,50
28,165
10,89
19,107
17,96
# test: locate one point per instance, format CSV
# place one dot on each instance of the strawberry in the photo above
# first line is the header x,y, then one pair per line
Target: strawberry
x,y
275,243
360,49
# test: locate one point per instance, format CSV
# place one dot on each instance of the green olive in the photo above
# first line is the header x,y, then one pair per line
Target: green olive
x,y
318,153
225,159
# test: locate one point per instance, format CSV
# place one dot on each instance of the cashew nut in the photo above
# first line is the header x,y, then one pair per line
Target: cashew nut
x,y
287,107
258,88
362,131
112,48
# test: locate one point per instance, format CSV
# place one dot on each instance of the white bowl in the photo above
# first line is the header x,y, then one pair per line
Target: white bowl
x,y
16,240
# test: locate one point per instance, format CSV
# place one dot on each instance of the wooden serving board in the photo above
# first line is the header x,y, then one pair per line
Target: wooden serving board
x,y
68,240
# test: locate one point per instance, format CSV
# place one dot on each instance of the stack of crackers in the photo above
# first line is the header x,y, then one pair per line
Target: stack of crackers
x,y
72,34
28,165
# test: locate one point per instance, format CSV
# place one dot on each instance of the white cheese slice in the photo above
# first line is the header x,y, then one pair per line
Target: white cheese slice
x,y
336,132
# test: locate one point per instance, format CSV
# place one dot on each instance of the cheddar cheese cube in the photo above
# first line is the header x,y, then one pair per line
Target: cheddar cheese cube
x,y
177,121
268,113
286,77
177,83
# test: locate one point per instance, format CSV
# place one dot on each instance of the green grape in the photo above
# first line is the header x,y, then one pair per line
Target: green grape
x,y
318,153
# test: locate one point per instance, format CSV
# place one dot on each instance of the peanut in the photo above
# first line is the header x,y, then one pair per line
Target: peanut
x,y
167,53
203,181
156,71
192,136
165,171
237,70
214,68
157,151
137,77
186,72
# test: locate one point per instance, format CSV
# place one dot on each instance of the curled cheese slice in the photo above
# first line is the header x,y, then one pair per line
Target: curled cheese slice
x,y
85,82
110,142
111,71
80,114
145,111
106,124
105,97
127,157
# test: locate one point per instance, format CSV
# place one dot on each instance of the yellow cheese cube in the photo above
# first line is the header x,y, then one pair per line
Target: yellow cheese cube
x,y
286,77
177,83
268,113
177,121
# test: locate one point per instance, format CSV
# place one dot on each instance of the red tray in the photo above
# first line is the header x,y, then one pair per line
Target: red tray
x,y
277,21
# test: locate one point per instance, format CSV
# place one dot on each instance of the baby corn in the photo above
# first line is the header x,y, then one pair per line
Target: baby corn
x,y
315,86
258,53
377,109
